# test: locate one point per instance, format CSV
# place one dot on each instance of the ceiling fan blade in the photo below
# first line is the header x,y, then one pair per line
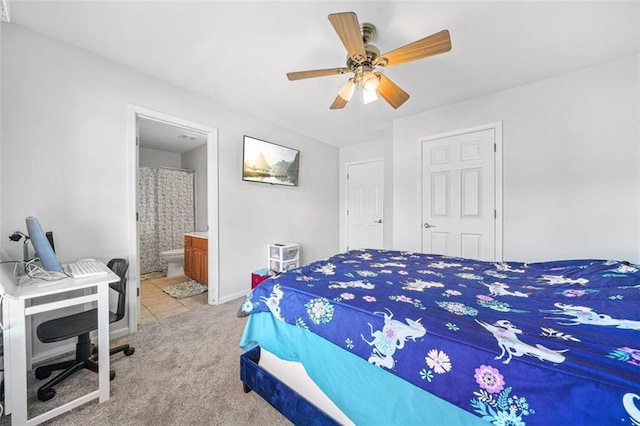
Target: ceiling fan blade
x,y
431,45
299,75
338,103
348,29
390,91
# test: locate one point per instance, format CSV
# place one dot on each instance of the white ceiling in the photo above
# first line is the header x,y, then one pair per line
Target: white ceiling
x,y
165,137
239,52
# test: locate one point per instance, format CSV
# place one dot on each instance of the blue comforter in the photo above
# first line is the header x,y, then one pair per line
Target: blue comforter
x,y
513,343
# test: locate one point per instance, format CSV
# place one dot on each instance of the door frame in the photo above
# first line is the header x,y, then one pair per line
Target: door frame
x,y
346,197
134,113
497,169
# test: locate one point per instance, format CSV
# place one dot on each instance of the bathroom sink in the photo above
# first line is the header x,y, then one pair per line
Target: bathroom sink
x,y
203,234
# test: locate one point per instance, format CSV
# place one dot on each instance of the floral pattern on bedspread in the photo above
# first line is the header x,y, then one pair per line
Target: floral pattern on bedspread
x,y
514,343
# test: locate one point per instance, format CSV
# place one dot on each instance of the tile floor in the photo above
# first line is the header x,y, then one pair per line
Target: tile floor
x,y
155,304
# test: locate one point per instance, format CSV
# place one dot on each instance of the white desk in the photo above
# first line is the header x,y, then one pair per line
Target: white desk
x,y
17,306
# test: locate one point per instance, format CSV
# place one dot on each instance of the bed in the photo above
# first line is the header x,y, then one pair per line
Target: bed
x,y
396,337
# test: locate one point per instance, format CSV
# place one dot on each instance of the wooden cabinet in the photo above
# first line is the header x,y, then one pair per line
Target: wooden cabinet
x,y
188,255
196,259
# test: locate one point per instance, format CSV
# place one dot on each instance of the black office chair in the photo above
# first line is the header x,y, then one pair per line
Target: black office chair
x,y
80,325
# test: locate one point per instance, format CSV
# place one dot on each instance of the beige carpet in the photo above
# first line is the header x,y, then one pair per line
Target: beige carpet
x,y
185,371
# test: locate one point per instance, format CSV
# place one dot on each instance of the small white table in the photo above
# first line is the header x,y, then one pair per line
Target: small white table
x,y
18,303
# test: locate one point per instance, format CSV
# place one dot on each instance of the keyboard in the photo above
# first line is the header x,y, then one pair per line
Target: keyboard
x,y
86,268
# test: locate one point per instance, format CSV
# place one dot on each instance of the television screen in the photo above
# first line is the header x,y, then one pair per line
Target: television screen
x,y
267,162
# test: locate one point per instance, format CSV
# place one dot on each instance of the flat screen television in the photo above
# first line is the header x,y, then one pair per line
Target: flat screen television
x,y
268,162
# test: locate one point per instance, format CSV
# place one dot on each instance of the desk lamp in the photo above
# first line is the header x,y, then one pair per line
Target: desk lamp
x,y
17,236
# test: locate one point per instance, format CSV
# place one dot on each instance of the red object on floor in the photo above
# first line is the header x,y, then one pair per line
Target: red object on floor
x,y
257,279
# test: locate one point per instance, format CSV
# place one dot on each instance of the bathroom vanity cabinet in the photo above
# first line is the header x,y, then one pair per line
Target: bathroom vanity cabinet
x,y
196,263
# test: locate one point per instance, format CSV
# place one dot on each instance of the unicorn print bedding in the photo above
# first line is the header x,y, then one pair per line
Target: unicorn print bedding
x,y
509,343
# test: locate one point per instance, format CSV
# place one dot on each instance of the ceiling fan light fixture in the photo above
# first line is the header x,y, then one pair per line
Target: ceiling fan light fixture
x,y
370,81
369,96
363,58
346,92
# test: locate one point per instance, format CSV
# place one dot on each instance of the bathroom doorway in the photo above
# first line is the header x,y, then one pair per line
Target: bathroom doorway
x,y
180,157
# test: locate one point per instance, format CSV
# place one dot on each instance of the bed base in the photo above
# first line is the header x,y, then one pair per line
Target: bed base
x,y
284,399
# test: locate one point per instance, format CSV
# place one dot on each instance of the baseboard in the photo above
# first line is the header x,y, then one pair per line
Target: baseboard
x,y
118,333
233,297
53,352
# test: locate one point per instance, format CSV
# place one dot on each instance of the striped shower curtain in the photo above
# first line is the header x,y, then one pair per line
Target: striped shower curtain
x,y
165,213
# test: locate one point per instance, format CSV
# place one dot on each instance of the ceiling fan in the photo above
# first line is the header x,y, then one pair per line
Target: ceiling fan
x,y
364,61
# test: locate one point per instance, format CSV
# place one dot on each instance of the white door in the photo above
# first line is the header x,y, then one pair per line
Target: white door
x,y
459,197
364,205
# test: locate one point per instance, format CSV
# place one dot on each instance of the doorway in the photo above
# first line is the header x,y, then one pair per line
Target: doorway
x,y
365,205
461,195
164,139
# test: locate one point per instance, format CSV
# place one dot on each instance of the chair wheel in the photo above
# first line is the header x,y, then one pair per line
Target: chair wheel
x,y
129,351
112,375
45,396
42,374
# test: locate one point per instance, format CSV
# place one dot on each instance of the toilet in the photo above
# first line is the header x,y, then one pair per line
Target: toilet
x,y
175,261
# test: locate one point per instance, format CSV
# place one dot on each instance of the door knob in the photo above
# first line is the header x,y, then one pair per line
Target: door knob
x,y
378,221
427,225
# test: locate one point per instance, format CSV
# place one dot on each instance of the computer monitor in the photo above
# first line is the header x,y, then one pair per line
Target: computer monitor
x,y
42,246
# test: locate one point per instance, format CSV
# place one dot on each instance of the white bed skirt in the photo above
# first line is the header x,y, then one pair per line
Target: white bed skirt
x,y
294,375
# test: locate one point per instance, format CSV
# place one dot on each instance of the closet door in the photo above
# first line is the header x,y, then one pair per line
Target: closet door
x,y
459,212
365,199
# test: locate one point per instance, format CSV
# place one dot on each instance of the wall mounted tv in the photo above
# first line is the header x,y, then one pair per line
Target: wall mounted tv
x,y
268,162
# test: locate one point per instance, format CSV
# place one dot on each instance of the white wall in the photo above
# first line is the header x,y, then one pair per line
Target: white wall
x,y
196,159
373,150
65,161
2,24
571,164
155,157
